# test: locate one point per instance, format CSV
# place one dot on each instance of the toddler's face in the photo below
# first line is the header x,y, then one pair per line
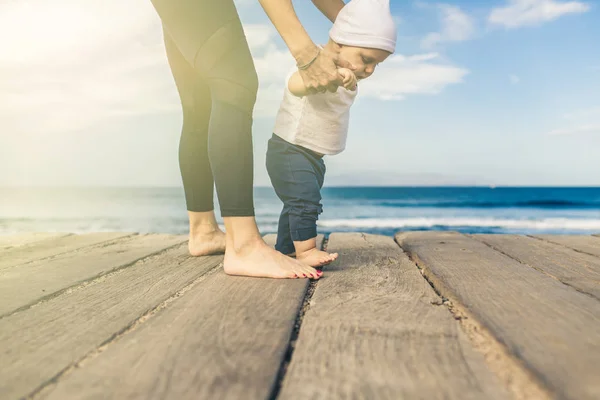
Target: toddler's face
x,y
364,59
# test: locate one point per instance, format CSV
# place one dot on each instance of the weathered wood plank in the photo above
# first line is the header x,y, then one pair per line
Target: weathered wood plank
x,y
581,271
225,338
9,241
552,329
23,285
582,243
375,330
54,247
38,343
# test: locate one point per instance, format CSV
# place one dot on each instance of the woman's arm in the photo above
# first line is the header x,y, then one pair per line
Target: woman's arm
x,y
321,74
329,8
284,18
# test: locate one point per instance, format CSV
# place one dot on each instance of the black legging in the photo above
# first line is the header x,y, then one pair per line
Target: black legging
x,y
217,84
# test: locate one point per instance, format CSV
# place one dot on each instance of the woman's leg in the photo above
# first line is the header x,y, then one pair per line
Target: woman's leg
x,y
210,37
205,235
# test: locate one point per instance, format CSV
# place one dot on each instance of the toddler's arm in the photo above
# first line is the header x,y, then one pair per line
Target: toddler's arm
x,y
350,80
296,84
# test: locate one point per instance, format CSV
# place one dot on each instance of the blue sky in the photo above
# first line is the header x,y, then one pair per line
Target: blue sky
x,y
503,94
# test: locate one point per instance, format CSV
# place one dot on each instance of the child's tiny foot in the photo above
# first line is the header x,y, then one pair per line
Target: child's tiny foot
x,y
316,258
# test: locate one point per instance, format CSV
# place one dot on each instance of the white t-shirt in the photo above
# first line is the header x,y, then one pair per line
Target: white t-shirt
x,y
318,122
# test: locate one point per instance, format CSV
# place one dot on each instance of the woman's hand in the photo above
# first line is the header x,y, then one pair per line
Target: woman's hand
x,y
348,78
322,75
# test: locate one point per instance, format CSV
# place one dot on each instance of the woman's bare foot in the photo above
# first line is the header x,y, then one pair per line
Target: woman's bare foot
x,y
316,258
258,260
205,236
204,244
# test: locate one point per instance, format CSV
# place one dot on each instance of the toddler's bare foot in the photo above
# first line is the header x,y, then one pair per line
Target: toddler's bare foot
x,y
316,258
203,244
257,259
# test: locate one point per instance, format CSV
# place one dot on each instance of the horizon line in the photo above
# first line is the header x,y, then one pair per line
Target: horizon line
x,y
325,187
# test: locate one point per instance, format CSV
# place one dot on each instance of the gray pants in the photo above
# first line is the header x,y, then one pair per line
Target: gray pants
x,y
297,175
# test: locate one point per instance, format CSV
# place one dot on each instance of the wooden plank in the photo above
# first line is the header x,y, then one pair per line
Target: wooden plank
x,y
375,330
8,241
581,271
54,247
24,285
225,338
39,343
582,243
550,328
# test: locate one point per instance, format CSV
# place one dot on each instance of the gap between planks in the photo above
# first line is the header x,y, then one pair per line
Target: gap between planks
x,y
126,330
519,381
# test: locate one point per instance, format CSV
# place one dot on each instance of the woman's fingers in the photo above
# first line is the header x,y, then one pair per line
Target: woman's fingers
x,y
322,74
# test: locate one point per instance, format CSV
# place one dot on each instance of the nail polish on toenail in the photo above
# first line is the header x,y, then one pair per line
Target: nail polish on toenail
x,y
304,275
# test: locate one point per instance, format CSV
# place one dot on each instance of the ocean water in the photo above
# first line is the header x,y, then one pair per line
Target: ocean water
x,y
379,210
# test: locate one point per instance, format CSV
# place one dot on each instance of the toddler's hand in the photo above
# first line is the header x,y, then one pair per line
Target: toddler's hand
x,y
349,79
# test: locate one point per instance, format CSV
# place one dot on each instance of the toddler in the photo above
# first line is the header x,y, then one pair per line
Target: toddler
x,y
310,126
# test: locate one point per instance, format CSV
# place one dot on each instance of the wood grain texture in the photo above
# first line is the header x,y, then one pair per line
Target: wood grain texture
x,y
376,330
10,241
54,247
582,243
581,271
23,285
225,338
38,343
553,330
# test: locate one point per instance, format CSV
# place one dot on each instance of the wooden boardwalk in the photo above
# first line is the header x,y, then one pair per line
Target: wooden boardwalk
x,y
424,315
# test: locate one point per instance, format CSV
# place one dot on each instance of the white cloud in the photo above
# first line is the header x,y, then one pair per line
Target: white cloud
x,y
586,120
532,12
395,78
73,65
272,66
514,79
583,113
576,130
400,76
456,26
259,36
